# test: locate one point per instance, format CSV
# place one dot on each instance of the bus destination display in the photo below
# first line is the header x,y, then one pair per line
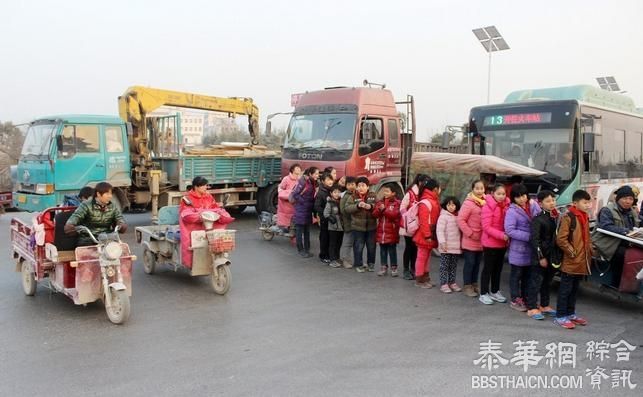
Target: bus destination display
x,y
517,119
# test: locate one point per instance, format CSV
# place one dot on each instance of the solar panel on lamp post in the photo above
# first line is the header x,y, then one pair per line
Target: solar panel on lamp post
x,y
609,83
491,41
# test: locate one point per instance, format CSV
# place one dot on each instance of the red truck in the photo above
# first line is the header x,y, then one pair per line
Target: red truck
x,y
356,130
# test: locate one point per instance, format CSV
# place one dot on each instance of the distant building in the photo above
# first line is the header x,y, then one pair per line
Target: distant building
x,y
197,124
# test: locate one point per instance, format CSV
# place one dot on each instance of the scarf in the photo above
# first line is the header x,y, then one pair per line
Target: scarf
x,y
527,209
583,218
479,201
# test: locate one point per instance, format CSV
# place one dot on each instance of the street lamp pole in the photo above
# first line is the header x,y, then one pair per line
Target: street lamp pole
x,y
491,41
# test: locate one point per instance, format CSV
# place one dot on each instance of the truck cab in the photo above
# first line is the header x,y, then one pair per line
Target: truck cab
x,y
355,130
62,154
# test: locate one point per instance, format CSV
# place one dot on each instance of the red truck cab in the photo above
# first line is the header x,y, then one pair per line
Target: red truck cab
x,y
357,131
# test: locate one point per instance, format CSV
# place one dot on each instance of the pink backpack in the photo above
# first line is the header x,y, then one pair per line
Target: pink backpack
x,y
410,221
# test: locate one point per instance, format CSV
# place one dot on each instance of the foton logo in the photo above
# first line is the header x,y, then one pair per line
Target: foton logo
x,y
310,156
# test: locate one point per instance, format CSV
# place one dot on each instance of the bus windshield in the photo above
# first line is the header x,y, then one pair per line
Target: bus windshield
x,y
38,141
321,131
549,150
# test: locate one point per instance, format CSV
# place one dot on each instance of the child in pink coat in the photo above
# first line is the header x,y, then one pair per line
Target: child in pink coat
x,y
470,224
449,244
494,244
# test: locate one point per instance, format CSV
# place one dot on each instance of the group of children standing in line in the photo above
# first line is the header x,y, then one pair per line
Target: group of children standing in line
x,y
484,226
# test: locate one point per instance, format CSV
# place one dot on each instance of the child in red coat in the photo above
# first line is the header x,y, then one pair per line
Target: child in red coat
x,y
387,212
426,238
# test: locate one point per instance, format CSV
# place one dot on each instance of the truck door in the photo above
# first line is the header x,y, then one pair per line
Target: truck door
x,y
393,150
116,155
79,159
372,149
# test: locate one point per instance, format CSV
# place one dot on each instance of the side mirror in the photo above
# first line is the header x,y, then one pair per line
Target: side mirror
x,y
59,143
268,128
446,139
588,142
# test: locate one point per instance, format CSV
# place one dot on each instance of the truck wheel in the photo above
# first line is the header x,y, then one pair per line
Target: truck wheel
x,y
236,210
221,284
149,261
119,308
29,282
267,199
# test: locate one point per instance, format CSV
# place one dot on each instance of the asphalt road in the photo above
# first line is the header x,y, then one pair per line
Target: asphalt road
x,y
288,327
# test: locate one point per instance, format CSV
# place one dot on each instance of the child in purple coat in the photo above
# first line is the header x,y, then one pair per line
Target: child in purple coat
x,y
518,228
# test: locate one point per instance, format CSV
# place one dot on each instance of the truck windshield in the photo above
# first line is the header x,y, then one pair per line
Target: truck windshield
x,y
38,141
548,150
321,131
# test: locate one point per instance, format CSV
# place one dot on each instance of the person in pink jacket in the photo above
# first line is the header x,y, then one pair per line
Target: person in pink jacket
x,y
449,244
285,209
494,244
470,224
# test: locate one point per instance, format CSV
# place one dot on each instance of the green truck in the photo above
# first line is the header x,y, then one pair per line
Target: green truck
x,y
143,157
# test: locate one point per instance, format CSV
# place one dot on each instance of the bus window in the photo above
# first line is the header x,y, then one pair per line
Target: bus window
x,y
371,136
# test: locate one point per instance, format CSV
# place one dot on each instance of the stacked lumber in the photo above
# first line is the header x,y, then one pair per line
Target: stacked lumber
x,y
232,149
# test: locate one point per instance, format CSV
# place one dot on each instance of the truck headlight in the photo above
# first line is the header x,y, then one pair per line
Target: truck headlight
x,y
44,188
113,250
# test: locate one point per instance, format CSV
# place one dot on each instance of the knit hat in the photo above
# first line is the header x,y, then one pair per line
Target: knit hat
x,y
624,191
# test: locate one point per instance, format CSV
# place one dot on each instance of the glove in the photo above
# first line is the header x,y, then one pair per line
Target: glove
x,y
332,219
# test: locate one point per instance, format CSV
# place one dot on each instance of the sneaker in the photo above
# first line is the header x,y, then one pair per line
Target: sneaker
x,y
486,299
468,291
383,271
394,272
564,322
335,264
304,254
498,297
455,287
371,267
326,261
445,288
518,304
535,314
407,275
577,320
361,269
548,310
347,265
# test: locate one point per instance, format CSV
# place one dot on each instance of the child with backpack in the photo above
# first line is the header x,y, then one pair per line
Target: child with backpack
x,y
494,245
518,228
325,183
387,212
346,252
335,229
449,244
410,249
576,245
360,206
470,224
545,254
427,209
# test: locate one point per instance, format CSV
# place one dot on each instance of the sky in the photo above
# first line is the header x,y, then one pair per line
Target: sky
x,y
79,56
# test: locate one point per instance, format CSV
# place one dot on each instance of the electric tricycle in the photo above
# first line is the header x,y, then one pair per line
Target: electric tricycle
x,y
210,248
46,255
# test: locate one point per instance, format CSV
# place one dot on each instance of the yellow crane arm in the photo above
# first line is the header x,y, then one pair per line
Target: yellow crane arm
x,y
138,101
